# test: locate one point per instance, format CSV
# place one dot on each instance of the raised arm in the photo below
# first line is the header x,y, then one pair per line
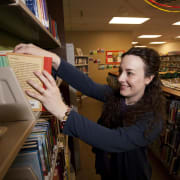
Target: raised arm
x,y
82,82
111,140
67,72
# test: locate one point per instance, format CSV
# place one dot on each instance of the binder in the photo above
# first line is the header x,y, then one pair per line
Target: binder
x,y
13,103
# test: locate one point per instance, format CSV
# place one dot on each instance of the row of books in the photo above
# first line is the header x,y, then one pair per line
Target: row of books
x,y
167,147
39,150
167,155
174,113
172,137
39,9
81,60
171,160
170,58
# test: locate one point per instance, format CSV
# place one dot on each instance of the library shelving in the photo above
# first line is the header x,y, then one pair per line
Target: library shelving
x,y
170,63
167,147
82,62
17,20
20,25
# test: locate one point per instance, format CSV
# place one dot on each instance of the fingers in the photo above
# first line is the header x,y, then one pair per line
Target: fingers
x,y
21,48
49,78
34,95
36,86
43,79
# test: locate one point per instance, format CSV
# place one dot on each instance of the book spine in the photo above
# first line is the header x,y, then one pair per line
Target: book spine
x,y
48,68
39,11
46,20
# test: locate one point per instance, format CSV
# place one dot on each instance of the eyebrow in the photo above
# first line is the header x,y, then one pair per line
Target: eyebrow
x,y
128,69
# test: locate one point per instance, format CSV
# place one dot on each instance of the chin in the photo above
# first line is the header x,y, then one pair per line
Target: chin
x,y
123,93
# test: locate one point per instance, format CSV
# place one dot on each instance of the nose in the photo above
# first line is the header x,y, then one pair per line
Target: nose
x,y
121,77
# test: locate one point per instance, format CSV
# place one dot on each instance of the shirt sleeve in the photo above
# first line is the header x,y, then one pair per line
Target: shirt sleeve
x,y
111,140
82,82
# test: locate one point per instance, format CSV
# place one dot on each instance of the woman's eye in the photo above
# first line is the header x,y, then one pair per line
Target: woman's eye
x,y
129,73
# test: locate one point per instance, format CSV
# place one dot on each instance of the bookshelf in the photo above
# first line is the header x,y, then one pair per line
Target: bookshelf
x,y
170,63
25,25
19,25
82,64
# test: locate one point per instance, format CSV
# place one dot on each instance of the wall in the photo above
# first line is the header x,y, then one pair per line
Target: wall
x,y
165,48
92,41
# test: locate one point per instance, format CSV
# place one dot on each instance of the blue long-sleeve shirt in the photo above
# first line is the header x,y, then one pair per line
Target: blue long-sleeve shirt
x,y
121,140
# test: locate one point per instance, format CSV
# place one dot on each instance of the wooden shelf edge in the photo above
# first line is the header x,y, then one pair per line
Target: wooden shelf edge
x,y
12,142
81,64
26,10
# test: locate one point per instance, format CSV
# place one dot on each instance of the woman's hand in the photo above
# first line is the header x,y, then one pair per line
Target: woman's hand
x,y
35,50
49,97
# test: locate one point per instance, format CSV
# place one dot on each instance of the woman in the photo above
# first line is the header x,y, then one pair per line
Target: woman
x,y
132,117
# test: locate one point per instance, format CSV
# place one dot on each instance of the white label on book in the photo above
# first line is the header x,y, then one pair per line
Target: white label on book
x,y
34,103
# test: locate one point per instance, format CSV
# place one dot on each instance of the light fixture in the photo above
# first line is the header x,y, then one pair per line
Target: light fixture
x,y
134,43
176,23
149,36
160,42
141,46
128,20
177,36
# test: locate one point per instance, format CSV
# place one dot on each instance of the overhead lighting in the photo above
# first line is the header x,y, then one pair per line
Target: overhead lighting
x,y
176,23
160,42
177,36
134,43
140,46
149,36
128,20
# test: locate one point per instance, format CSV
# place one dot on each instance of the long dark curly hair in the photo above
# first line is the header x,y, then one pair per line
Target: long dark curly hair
x,y
153,100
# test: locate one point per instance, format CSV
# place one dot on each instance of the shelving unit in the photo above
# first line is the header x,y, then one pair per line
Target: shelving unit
x,y
82,63
19,25
170,63
16,19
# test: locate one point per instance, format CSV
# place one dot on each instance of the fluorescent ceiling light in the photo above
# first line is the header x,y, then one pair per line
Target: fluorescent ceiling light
x,y
176,23
149,36
160,42
177,36
134,43
127,20
140,46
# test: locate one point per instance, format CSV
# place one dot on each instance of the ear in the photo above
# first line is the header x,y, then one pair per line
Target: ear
x,y
149,79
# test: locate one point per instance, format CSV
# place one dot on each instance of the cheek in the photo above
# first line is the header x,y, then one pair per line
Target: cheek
x,y
136,82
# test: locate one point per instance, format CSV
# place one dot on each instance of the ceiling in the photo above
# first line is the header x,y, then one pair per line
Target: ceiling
x,y
94,15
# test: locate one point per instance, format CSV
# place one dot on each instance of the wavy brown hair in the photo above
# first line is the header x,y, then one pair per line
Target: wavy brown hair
x,y
114,114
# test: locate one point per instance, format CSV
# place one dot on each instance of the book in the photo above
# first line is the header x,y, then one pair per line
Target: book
x,y
21,174
23,66
29,159
79,52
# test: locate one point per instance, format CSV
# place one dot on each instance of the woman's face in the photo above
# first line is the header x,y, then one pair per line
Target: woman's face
x,y
132,79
